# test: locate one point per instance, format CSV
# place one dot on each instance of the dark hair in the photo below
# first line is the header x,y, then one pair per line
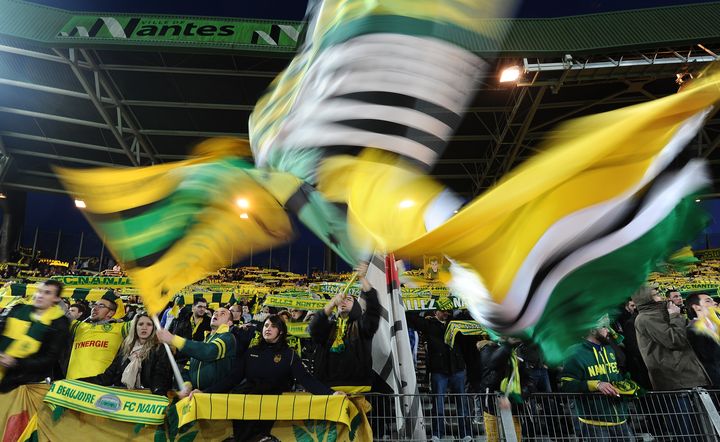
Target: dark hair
x,y
81,308
277,321
199,300
55,283
693,299
113,304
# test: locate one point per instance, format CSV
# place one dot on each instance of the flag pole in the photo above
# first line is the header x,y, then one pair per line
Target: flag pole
x,y
173,363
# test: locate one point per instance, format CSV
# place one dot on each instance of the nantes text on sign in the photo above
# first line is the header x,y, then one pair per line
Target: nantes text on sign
x,y
94,281
160,29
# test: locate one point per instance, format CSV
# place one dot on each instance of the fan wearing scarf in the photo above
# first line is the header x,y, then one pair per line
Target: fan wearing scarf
x,y
592,367
343,358
141,361
32,338
95,341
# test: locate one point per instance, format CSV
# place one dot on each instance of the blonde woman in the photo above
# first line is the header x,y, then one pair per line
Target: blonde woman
x,y
141,361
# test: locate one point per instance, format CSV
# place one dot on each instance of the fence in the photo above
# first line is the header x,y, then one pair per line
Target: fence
x,y
677,416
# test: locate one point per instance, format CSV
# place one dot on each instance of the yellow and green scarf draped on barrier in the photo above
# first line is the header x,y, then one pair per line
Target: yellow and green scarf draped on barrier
x,y
467,328
112,403
19,406
338,418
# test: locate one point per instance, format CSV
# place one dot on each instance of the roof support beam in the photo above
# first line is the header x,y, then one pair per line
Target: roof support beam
x,y
50,156
123,113
98,105
44,139
510,159
43,116
521,92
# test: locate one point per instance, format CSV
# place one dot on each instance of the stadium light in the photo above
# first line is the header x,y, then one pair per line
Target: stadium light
x,y
404,204
697,200
244,216
242,203
510,74
80,204
2,196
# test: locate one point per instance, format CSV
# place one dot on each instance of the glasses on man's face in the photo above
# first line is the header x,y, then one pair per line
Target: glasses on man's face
x,y
100,305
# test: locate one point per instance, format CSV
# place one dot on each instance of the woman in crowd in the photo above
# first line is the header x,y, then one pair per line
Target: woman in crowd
x,y
141,361
270,367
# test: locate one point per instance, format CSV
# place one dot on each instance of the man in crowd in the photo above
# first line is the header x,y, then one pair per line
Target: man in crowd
x,y
671,362
77,311
706,348
211,360
343,356
676,298
592,367
445,364
96,341
192,325
236,310
32,338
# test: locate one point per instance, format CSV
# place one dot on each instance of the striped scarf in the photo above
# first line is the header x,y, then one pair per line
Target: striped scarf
x,y
338,345
24,331
510,385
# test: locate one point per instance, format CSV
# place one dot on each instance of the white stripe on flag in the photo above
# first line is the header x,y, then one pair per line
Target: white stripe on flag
x,y
391,352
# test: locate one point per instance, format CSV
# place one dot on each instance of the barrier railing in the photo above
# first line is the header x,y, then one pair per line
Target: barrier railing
x,y
677,416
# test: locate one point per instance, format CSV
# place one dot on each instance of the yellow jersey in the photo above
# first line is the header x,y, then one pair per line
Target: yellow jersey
x,y
94,347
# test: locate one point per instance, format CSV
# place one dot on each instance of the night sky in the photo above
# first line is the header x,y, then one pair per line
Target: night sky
x,y
52,212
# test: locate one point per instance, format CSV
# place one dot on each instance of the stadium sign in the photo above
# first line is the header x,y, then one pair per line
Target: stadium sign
x,y
159,30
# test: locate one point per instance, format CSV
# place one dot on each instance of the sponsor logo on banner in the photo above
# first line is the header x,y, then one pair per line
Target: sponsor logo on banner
x,y
108,402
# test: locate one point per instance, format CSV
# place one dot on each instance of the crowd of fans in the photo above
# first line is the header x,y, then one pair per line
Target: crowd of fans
x,y
651,343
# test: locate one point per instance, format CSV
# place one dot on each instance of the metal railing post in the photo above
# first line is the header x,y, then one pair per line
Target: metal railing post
x,y
506,426
712,414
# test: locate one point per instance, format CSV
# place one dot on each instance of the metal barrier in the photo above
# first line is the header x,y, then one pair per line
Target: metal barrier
x,y
677,416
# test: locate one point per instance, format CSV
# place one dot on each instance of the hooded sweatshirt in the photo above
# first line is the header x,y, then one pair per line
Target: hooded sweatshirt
x,y
588,365
350,365
664,346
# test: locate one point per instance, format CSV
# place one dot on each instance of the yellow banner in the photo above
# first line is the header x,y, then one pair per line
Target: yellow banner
x,y
333,288
344,414
112,403
422,303
304,303
95,281
298,329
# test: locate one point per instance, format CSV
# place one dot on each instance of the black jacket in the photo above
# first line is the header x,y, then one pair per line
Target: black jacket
x,y
633,359
353,366
268,369
708,351
182,326
495,365
155,374
44,363
441,358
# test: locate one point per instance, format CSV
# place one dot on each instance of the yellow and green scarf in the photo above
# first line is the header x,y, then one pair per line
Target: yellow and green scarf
x,y
338,345
24,331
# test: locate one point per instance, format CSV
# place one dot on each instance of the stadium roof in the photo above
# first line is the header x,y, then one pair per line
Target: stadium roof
x,y
95,89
